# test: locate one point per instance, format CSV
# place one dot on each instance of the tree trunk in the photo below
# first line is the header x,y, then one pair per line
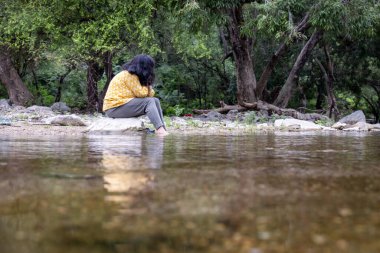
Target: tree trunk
x,y
241,49
287,90
60,85
333,109
17,91
39,98
94,74
262,83
320,96
109,74
269,108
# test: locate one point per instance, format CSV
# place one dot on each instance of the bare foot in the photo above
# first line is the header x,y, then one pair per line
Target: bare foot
x,y
161,131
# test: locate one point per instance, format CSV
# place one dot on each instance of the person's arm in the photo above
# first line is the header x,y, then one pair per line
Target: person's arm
x,y
137,89
152,92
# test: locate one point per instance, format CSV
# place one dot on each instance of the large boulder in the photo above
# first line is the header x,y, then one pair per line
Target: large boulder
x,y
296,124
60,107
66,120
353,118
109,125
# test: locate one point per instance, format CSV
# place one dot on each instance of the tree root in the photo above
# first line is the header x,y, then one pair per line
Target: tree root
x,y
263,106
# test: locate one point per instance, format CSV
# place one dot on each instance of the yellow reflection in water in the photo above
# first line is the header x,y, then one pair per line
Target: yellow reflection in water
x,y
128,165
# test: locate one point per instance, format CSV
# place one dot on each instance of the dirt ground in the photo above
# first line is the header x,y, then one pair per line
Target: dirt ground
x,y
41,130
27,131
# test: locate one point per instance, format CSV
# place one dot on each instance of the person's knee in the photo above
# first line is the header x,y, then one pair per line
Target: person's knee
x,y
151,100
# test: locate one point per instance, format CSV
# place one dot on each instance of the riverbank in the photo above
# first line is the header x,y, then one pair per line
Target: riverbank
x,y
27,130
44,121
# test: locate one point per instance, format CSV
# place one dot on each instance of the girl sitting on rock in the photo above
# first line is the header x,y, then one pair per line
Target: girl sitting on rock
x,y
130,93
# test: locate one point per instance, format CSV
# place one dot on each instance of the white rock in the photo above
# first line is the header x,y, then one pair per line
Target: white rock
x,y
66,120
303,125
230,124
262,126
339,125
356,129
363,126
373,126
178,121
360,126
329,129
116,125
4,104
39,109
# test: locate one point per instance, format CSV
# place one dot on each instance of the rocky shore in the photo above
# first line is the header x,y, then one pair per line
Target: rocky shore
x,y
58,120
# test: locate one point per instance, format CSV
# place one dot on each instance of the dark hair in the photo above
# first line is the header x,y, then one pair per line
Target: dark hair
x,y
142,66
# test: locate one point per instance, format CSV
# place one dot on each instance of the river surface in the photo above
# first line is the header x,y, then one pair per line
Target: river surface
x,y
284,192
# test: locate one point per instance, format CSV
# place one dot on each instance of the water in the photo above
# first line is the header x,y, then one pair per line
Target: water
x,y
252,194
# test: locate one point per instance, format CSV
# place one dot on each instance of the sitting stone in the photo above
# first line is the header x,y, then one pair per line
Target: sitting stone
x,y
110,125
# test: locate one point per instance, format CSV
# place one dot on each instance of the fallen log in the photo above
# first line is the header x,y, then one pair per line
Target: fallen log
x,y
224,108
263,106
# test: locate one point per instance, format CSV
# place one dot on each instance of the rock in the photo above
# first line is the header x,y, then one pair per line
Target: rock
x,y
292,123
353,118
339,125
5,121
37,108
360,126
375,126
60,107
295,127
40,111
66,120
213,116
230,124
178,121
329,129
262,126
232,115
17,108
4,104
109,125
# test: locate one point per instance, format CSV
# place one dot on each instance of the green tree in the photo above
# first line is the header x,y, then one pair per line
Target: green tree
x,y
20,34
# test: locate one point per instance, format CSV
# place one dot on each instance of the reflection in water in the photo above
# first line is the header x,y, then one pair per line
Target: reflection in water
x,y
257,193
127,162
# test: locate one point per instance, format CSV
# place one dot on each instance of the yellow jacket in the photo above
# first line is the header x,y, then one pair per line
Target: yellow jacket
x,y
123,88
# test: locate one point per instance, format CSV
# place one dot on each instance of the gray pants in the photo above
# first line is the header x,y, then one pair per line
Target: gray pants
x,y
140,106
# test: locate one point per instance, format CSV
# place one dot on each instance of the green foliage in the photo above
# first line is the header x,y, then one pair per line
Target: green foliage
x,y
325,122
176,110
49,38
250,118
3,92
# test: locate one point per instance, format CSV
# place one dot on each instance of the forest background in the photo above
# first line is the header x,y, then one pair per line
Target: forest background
x,y
310,55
